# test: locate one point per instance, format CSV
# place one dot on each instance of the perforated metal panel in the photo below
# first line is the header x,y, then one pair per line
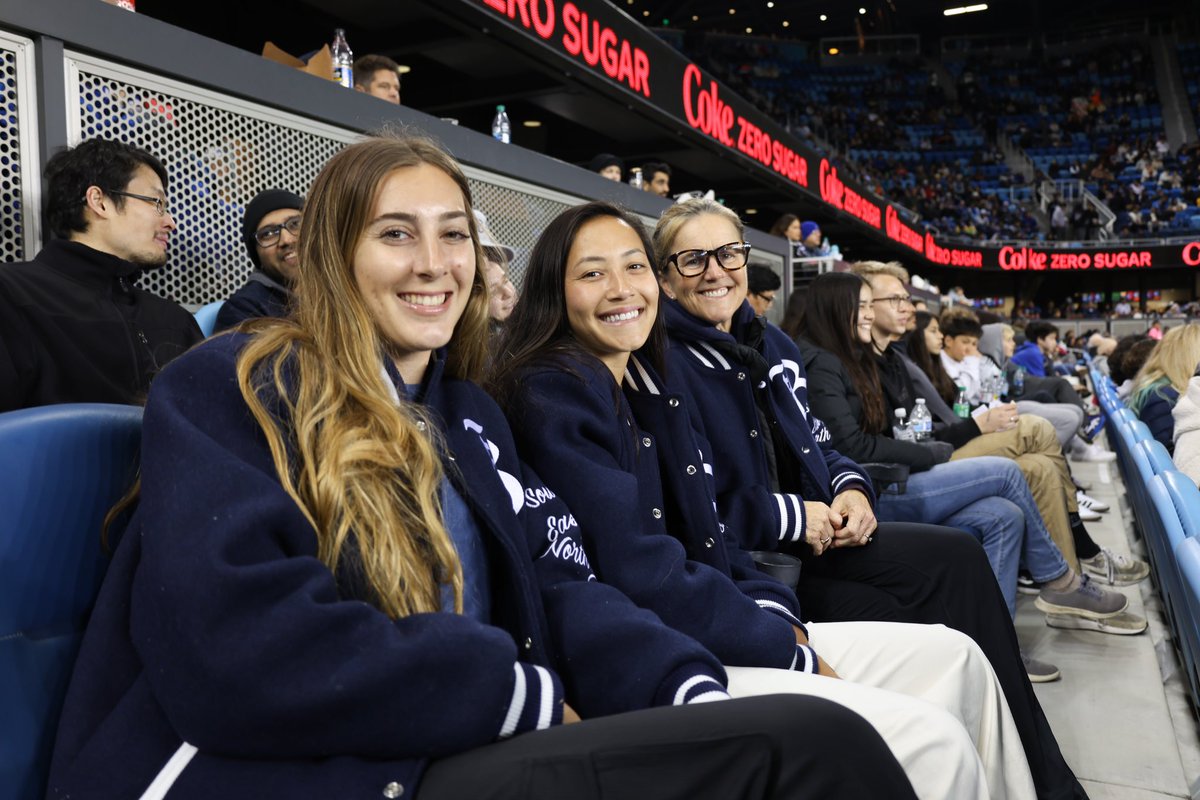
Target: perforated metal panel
x,y
219,153
517,215
18,125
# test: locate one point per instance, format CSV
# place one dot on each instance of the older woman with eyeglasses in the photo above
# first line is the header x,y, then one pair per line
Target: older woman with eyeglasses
x,y
781,485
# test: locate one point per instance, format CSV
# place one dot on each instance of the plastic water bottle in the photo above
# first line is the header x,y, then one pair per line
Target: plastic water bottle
x,y
921,421
635,178
343,60
962,408
1018,384
901,431
501,129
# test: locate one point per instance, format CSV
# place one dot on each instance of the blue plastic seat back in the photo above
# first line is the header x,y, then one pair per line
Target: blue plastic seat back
x,y
206,317
1162,533
1157,455
1186,497
64,466
1187,559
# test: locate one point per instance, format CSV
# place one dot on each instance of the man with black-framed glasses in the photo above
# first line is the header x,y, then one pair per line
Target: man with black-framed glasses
x,y
271,233
761,283
74,327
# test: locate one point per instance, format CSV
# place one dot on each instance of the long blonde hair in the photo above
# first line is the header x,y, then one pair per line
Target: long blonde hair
x,y
1172,362
359,465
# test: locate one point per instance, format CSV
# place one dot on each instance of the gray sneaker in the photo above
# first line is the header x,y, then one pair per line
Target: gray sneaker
x,y
1115,569
1039,671
1124,624
1088,600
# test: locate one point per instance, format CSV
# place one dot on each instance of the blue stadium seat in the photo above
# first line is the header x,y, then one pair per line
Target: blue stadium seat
x,y
1187,557
1157,455
64,466
206,316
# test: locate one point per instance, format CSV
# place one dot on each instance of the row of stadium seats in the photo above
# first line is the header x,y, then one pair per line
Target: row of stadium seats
x,y
1166,511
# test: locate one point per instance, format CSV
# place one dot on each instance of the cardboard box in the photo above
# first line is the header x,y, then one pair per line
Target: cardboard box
x,y
320,65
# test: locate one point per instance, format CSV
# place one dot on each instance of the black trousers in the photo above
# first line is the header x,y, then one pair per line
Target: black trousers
x,y
782,746
929,573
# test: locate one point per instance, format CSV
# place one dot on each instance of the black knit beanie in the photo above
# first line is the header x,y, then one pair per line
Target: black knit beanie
x,y
266,202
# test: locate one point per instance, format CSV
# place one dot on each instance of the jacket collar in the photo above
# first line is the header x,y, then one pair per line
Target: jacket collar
x,y
269,280
86,265
430,384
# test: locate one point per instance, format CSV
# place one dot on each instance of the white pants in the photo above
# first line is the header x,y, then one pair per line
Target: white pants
x,y
931,694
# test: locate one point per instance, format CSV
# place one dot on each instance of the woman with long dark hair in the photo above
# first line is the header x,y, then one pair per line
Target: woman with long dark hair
x,y
581,382
925,350
779,482
340,581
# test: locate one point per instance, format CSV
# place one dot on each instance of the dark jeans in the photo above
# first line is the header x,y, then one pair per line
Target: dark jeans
x,y
781,746
929,573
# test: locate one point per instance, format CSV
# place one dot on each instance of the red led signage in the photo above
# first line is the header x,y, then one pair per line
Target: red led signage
x,y
635,63
835,192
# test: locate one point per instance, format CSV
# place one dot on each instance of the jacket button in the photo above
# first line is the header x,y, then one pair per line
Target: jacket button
x,y
528,643
393,790
753,433
805,450
709,543
741,376
656,513
691,470
673,402
646,441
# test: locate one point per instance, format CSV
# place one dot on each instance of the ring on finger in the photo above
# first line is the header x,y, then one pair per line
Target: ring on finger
x,y
827,540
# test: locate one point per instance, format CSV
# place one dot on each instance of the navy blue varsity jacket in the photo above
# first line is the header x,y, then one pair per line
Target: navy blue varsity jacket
x,y
224,659
719,373
667,552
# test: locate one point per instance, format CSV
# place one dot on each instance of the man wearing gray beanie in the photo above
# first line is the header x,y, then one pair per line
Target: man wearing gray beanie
x,y
271,231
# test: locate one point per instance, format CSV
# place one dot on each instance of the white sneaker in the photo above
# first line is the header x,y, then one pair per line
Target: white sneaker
x,y
1087,515
1090,503
1091,452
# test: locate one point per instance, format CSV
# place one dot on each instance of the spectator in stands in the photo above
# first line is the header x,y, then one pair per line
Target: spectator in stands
x,y
788,226
815,244
378,76
502,295
720,350
656,177
1155,332
1052,398
1131,364
1163,378
1001,430
73,326
271,232
607,166
762,284
1123,308
592,263
1186,415
990,498
341,491
1041,344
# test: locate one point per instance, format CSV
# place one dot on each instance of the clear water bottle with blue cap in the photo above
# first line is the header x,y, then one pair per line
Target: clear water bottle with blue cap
x,y
501,129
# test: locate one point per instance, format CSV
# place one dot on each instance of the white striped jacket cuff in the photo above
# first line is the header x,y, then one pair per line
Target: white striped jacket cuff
x,y
699,689
846,480
790,510
805,660
536,702
782,610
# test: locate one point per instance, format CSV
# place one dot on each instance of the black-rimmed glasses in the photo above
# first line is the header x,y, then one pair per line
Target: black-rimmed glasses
x,y
730,257
268,236
160,204
896,300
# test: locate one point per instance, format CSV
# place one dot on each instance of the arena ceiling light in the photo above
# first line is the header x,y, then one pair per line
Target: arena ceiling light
x,y
954,12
